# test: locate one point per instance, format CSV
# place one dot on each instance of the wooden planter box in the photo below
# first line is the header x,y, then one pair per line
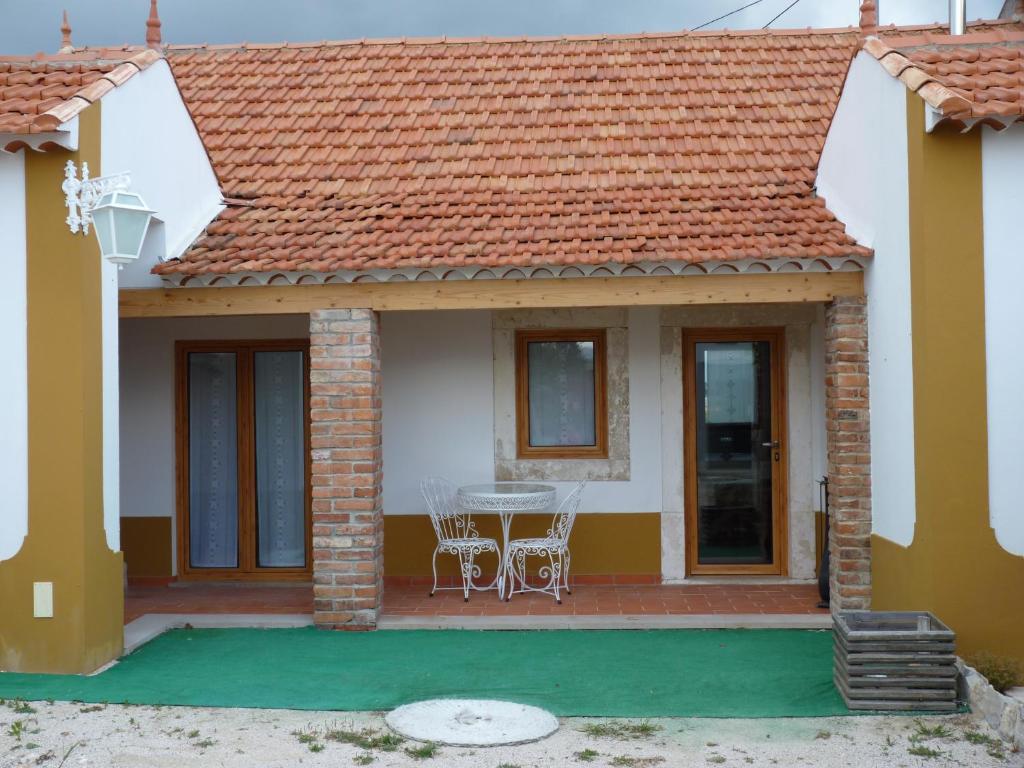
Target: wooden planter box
x,y
895,661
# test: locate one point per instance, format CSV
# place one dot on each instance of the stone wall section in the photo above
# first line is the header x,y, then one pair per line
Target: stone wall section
x,y
347,471
847,425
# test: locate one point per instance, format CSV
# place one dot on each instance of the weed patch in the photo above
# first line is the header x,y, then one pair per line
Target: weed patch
x,y
422,752
616,729
625,761
20,707
368,739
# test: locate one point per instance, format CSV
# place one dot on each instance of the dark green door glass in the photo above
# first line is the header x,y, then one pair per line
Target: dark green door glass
x,y
734,453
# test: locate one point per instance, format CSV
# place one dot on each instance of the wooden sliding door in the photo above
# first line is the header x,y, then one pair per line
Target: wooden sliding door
x,y
243,492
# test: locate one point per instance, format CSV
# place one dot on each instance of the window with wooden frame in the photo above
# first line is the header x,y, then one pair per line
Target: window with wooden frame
x,y
561,399
243,473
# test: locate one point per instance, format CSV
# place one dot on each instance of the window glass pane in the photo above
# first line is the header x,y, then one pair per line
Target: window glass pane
x,y
280,459
213,460
734,453
561,390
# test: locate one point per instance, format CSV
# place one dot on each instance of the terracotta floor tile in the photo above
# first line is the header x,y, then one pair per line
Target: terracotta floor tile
x,y
585,600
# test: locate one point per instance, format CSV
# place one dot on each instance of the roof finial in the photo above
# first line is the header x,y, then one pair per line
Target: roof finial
x,y
868,17
153,27
66,46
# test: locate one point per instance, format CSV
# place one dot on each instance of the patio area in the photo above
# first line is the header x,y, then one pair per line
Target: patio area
x,y
411,601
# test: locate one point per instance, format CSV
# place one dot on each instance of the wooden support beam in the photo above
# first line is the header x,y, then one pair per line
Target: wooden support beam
x,y
762,288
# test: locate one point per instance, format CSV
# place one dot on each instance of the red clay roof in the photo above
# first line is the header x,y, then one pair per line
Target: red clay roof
x,y
688,147
979,76
36,95
353,156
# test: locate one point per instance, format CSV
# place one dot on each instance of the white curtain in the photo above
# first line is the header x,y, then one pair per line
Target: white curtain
x,y
280,458
729,378
561,383
213,461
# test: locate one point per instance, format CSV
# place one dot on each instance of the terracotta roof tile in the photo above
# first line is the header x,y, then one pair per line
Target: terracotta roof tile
x,y
357,155
973,77
418,153
37,95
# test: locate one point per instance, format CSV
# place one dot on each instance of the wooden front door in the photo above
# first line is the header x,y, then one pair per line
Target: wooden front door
x,y
243,470
735,451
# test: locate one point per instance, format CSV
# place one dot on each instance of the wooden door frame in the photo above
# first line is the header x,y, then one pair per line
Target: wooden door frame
x,y
247,570
780,495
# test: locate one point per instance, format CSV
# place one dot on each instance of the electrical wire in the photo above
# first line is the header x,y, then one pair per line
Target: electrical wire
x,y
779,15
727,15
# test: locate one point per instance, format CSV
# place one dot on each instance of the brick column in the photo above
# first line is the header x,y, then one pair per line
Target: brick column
x,y
849,452
345,437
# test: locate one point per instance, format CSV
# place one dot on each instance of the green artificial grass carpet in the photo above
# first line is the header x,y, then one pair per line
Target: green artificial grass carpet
x,y
657,673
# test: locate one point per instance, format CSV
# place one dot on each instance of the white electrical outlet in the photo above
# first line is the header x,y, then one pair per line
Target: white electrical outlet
x,y
42,599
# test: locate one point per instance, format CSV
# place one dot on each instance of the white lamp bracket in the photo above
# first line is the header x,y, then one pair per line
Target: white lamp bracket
x,y
81,195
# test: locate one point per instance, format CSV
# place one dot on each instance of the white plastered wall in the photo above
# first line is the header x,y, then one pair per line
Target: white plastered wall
x,y
438,409
14,381
436,399
864,180
147,438
439,373
1002,169
148,133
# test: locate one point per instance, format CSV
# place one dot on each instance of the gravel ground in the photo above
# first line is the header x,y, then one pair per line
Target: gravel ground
x,y
62,734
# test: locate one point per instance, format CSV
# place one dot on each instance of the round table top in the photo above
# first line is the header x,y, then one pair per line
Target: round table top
x,y
504,489
507,496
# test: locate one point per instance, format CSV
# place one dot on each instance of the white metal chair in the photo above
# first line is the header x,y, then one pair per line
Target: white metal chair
x,y
456,534
554,546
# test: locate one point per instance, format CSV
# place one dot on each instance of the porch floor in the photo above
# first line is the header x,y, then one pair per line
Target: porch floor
x,y
413,601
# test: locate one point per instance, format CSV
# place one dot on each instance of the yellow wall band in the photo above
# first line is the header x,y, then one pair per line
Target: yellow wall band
x,y
146,543
619,543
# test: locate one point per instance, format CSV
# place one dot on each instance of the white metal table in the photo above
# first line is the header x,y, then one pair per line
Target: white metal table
x,y
505,499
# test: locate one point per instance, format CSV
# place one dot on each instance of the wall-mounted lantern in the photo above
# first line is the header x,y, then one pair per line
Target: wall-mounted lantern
x,y
119,216
121,220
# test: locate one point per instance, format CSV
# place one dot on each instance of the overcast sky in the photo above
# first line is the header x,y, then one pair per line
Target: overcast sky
x,y
28,26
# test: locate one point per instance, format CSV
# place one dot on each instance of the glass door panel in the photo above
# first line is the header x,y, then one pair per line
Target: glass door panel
x,y
280,458
213,460
734,443
243,486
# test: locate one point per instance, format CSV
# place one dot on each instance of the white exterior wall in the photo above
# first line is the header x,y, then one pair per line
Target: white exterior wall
x,y
111,406
147,399
437,415
14,382
148,132
1002,168
438,409
864,180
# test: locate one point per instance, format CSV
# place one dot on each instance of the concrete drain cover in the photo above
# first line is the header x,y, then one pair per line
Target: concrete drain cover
x,y
471,722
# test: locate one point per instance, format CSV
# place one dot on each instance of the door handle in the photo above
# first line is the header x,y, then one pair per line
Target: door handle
x,y
772,444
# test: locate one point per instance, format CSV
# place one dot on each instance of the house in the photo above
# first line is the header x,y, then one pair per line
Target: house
x,y
701,270
922,164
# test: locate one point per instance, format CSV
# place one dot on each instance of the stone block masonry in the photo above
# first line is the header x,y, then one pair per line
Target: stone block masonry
x,y
847,422
347,471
